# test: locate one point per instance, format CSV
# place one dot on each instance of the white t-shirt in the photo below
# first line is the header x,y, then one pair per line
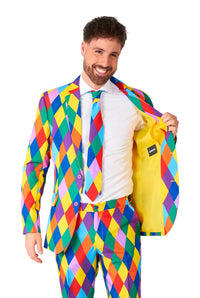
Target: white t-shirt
x,y
120,119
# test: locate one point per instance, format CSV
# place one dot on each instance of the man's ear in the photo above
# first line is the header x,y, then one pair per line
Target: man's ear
x,y
83,48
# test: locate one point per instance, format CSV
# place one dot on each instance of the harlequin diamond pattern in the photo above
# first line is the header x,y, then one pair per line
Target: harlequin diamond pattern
x,y
95,150
169,172
68,158
36,166
108,232
169,165
57,135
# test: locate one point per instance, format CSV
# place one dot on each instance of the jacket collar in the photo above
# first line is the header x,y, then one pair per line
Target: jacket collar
x,y
137,97
70,97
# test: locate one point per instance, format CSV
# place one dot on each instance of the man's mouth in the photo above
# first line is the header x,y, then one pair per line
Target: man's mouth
x,y
101,70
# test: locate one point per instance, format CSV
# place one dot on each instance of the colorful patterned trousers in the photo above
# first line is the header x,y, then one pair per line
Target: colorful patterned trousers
x,y
108,232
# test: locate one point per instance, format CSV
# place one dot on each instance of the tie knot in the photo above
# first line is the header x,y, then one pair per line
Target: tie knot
x,y
96,94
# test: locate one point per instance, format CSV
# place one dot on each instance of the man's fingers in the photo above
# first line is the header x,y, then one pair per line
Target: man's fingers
x,y
171,121
33,255
31,241
167,117
39,246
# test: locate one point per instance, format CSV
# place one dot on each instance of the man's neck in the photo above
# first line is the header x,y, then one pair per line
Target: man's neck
x,y
90,83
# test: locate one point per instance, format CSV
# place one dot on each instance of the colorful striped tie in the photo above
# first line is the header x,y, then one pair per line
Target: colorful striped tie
x,y
95,150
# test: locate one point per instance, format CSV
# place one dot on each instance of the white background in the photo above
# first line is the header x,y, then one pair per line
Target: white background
x,y
40,50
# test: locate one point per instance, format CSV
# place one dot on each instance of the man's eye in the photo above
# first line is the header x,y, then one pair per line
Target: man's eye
x,y
98,51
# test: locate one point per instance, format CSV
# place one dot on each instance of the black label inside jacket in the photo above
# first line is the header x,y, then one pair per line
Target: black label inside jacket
x,y
152,150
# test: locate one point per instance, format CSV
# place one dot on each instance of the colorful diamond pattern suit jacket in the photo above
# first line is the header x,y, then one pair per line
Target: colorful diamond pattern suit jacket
x,y
57,136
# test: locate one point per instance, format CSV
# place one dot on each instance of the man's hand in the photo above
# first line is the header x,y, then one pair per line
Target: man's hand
x,y
31,240
172,122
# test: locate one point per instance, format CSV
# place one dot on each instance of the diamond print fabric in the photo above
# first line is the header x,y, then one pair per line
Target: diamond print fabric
x,y
169,189
108,233
35,169
57,136
169,172
95,150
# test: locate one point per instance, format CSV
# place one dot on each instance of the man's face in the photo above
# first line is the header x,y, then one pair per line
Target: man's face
x,y
100,60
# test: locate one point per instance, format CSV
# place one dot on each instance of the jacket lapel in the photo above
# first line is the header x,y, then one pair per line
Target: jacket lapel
x,y
72,108
138,98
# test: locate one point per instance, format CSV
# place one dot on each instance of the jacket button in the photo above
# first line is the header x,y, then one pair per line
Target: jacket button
x,y
75,204
79,176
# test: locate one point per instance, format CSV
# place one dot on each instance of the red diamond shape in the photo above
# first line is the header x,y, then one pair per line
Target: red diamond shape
x,y
92,192
118,283
75,287
99,157
80,255
98,121
70,213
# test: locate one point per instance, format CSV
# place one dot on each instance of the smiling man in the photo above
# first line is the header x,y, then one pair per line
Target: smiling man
x,y
100,60
116,174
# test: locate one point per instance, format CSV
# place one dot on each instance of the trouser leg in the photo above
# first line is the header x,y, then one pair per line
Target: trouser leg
x,y
78,264
119,249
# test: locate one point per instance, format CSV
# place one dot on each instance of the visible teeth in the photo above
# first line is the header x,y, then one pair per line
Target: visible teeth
x,y
101,70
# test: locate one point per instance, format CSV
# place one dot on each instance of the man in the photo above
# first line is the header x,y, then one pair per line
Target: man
x,y
98,141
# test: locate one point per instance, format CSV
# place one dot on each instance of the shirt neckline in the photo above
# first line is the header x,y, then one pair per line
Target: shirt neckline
x,y
109,87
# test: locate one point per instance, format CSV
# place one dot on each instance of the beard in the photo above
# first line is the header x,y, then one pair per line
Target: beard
x,y
98,79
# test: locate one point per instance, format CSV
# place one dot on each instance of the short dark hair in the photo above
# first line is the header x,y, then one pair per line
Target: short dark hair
x,y
105,27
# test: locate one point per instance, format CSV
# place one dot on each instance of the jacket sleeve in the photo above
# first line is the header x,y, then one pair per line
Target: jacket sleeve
x,y
35,169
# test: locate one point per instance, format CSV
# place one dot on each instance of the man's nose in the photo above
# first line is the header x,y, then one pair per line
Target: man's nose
x,y
105,61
